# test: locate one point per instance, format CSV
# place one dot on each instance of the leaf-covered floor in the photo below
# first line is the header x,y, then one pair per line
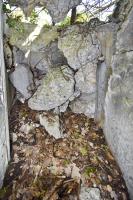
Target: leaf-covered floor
x,y
43,168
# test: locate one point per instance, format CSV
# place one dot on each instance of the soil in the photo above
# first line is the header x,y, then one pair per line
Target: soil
x,y
41,166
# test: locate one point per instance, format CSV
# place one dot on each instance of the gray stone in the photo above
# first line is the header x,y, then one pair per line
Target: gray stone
x,y
79,46
22,79
124,37
47,57
63,107
27,128
85,79
54,56
118,125
89,194
56,88
58,9
106,34
52,124
102,76
38,62
4,129
34,37
122,61
8,55
18,56
82,50
84,104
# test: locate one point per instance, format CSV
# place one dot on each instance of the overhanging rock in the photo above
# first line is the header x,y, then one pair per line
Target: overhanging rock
x,y
58,9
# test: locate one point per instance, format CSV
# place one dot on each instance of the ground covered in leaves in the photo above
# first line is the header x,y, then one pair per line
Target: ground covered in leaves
x,y
43,168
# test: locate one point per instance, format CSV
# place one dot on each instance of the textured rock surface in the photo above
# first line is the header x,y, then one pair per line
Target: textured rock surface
x,y
18,56
89,194
85,79
52,125
22,80
102,76
84,104
56,88
4,132
103,55
119,102
106,34
33,38
58,9
48,57
82,50
79,46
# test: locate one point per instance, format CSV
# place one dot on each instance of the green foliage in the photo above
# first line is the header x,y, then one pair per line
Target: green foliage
x,y
3,192
65,22
84,151
15,22
66,162
82,17
89,171
33,17
6,8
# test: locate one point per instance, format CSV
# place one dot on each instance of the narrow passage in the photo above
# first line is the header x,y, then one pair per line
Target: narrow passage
x,y
78,166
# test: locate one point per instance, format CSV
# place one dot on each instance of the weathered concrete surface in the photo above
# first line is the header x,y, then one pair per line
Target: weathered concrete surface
x,y
4,132
119,101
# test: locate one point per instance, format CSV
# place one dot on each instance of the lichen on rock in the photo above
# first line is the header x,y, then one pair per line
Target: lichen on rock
x,y
56,88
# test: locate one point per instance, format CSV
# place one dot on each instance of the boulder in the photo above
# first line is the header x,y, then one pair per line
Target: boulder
x,y
47,57
82,50
33,38
79,46
55,57
22,80
58,9
56,88
84,104
52,124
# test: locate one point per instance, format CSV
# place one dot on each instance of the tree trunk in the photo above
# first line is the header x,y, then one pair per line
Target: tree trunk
x,y
73,15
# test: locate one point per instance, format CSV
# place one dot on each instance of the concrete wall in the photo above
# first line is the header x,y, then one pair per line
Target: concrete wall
x,y
4,132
